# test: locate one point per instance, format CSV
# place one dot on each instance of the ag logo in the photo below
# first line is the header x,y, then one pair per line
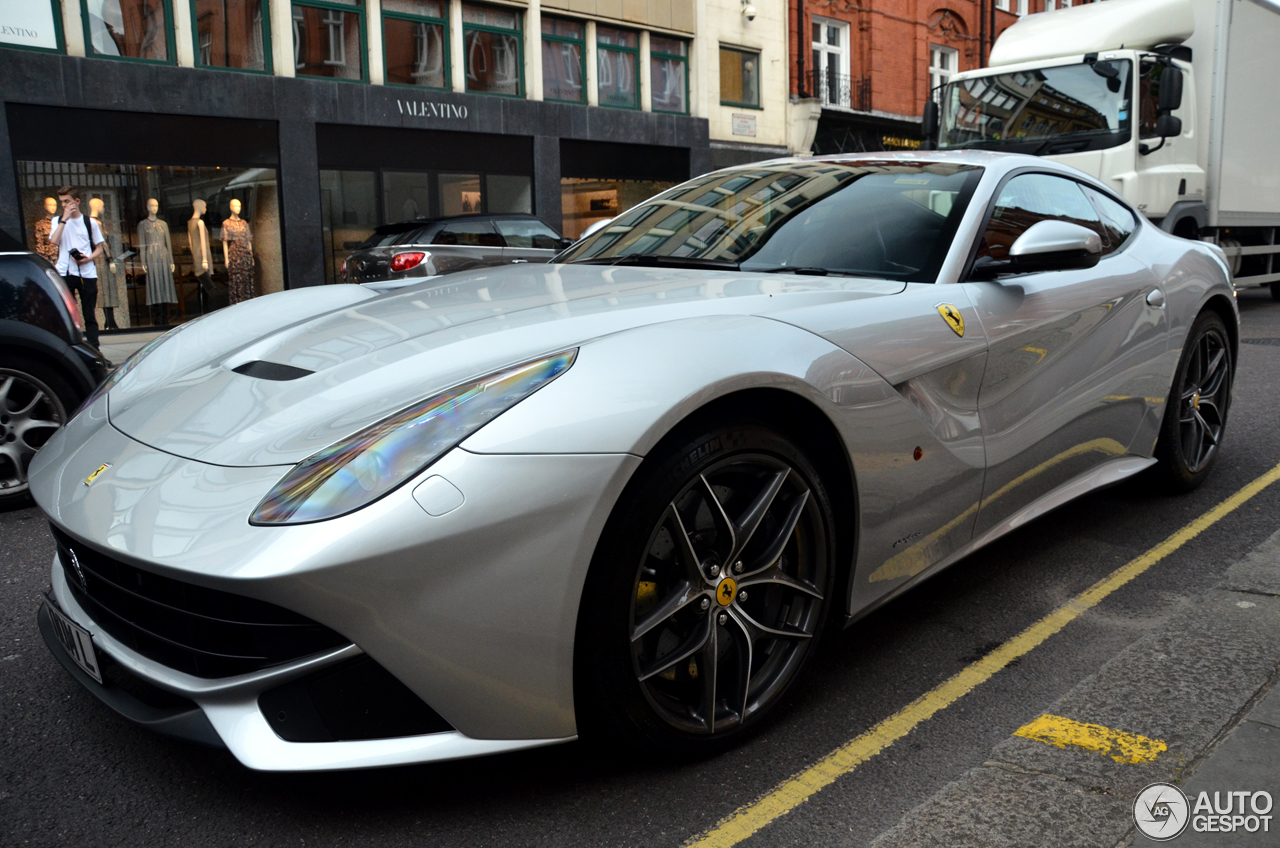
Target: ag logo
x,y
1161,811
88,481
726,592
953,317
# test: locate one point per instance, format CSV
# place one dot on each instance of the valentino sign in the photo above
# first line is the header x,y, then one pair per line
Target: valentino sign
x,y
429,109
27,24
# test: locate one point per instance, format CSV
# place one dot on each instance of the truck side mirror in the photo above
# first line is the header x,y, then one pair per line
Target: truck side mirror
x,y
1168,126
1170,90
929,125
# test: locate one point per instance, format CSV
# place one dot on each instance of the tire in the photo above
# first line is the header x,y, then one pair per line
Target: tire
x,y
1195,416
656,613
35,401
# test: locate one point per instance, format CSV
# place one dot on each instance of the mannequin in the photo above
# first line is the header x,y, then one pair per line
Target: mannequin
x,y
44,226
107,292
157,260
237,253
201,258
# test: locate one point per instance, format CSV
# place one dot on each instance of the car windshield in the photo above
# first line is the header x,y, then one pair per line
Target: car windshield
x,y
1047,110
887,219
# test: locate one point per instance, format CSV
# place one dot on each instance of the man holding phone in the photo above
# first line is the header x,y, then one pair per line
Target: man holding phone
x,y
79,241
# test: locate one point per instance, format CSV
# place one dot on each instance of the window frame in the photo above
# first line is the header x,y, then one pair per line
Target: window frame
x,y
582,56
519,33
634,51
658,54
418,19
759,78
266,44
361,13
944,75
171,44
58,37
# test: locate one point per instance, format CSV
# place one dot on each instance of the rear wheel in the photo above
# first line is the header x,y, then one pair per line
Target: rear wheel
x,y
1195,416
34,402
707,594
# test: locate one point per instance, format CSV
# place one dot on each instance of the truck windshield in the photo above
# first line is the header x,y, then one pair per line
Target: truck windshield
x,y
1047,110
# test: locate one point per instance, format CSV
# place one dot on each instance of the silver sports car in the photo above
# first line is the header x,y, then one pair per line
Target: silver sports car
x,y
623,493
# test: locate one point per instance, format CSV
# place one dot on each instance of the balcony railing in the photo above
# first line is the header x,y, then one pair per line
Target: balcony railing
x,y
841,90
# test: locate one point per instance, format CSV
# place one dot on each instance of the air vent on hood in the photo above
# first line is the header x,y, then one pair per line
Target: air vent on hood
x,y
264,370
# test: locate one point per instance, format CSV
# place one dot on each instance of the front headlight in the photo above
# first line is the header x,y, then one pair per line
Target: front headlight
x,y
367,465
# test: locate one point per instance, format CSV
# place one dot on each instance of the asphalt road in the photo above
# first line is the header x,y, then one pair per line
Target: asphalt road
x,y
72,773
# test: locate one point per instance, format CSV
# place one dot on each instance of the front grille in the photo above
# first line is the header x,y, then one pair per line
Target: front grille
x,y
203,632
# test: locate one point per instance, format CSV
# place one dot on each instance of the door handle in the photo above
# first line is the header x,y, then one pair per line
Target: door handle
x,y
1156,299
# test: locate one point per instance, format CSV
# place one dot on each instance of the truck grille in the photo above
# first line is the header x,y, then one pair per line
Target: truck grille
x,y
203,632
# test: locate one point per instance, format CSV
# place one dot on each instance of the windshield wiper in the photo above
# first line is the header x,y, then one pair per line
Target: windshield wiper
x,y
653,260
810,271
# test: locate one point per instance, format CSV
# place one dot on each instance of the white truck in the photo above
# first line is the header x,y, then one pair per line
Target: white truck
x,y
1173,103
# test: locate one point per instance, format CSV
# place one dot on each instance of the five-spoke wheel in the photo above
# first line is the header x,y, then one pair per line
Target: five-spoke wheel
x,y
1196,417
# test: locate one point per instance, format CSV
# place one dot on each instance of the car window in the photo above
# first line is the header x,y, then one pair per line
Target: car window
x,y
1118,220
468,233
1027,200
524,233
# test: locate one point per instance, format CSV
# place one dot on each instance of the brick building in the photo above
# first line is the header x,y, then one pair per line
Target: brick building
x,y
861,70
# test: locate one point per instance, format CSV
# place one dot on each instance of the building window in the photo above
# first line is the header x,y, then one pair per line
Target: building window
x,y
943,64
739,77
563,60
669,74
328,39
41,25
618,59
415,38
1024,8
831,61
232,34
491,44
1004,5
128,29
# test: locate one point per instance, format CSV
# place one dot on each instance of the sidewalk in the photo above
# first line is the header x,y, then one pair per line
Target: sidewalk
x,y
1193,703
118,347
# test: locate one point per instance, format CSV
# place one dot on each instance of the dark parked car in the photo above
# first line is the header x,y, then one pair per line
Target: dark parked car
x,y
47,367
414,249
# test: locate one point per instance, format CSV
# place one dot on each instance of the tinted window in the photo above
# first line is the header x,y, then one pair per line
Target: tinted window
x,y
1117,220
471,233
1029,199
522,233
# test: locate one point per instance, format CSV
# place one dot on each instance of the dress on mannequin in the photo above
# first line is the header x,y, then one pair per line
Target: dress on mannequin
x,y
237,245
108,290
43,227
201,257
157,258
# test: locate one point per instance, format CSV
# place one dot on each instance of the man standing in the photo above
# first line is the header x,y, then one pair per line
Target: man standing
x,y
79,241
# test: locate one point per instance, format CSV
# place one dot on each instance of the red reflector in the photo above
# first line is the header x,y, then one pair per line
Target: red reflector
x,y
405,261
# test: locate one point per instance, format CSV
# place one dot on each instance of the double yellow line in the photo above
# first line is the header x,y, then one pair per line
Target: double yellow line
x,y
801,787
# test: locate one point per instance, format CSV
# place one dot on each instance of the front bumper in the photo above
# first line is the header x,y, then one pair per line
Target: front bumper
x,y
474,611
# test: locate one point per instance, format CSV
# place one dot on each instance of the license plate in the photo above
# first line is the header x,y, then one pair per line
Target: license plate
x,y
77,641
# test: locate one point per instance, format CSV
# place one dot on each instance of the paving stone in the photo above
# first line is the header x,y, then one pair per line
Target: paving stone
x,y
1258,572
1248,760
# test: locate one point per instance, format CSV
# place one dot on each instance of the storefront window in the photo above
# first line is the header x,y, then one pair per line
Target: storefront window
x,y
128,29
328,39
618,58
180,241
406,196
563,63
460,195
739,77
491,39
232,34
415,37
669,72
348,215
584,202
508,195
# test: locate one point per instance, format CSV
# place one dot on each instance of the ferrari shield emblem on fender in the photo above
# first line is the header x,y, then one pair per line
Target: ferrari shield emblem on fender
x,y
88,481
953,317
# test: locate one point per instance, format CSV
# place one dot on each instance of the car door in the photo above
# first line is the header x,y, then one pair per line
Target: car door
x,y
1065,387
528,240
466,244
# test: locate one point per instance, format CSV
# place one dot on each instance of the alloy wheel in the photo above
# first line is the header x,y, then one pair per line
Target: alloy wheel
x,y
30,413
1202,403
729,593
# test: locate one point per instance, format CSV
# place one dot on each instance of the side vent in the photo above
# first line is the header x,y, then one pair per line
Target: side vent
x,y
263,370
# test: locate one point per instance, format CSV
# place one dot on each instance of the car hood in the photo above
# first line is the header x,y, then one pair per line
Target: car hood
x,y
360,356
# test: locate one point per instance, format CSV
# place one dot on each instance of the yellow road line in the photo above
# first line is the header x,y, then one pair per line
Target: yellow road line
x,y
801,787
1120,746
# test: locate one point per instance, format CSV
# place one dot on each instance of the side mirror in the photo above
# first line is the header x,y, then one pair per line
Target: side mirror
x,y
1055,246
929,125
564,242
1170,91
1168,126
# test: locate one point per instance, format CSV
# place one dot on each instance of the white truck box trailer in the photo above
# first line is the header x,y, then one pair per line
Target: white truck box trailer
x,y
1083,86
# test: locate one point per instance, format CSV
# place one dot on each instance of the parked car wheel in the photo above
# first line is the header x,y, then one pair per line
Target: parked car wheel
x,y
708,592
1195,417
34,402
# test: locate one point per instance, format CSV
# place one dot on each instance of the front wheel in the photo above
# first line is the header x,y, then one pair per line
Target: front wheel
x,y
1195,416
708,592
